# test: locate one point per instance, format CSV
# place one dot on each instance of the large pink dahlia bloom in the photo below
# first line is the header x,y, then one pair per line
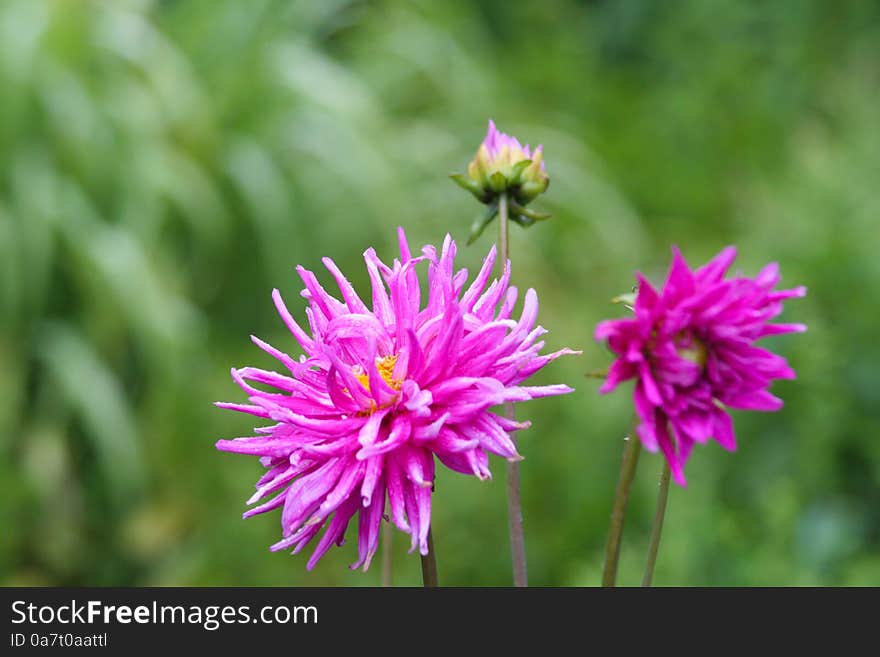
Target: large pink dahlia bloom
x,y
381,390
691,350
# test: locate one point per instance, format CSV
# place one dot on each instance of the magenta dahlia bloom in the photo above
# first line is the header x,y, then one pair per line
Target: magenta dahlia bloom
x,y
381,390
691,350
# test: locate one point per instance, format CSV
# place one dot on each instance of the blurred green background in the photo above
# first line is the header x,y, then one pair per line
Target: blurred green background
x,y
164,165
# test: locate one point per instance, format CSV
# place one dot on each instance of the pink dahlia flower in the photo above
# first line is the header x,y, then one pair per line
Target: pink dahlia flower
x,y
691,350
383,388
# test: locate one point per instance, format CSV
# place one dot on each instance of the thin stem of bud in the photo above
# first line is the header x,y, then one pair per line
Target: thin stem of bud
x,y
631,449
503,224
429,565
388,557
657,529
514,501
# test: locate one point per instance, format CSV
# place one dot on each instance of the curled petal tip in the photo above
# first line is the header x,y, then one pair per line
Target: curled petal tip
x,y
727,255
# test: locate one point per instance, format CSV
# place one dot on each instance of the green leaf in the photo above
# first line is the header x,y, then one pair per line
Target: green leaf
x,y
628,300
94,393
525,222
481,222
465,182
534,215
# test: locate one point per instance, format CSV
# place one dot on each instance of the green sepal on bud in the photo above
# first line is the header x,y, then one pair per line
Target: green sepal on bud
x,y
471,185
498,182
526,217
516,172
481,222
528,213
531,189
525,222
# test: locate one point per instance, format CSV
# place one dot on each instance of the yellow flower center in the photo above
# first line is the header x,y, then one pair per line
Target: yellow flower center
x,y
385,366
691,348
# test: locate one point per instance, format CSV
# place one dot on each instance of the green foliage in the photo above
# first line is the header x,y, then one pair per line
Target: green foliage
x,y
164,165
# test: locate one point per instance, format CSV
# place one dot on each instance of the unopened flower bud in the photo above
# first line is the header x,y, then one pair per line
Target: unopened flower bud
x,y
502,165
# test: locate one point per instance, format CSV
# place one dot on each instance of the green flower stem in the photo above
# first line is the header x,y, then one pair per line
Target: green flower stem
x,y
631,449
388,557
514,512
657,529
514,502
429,565
503,224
